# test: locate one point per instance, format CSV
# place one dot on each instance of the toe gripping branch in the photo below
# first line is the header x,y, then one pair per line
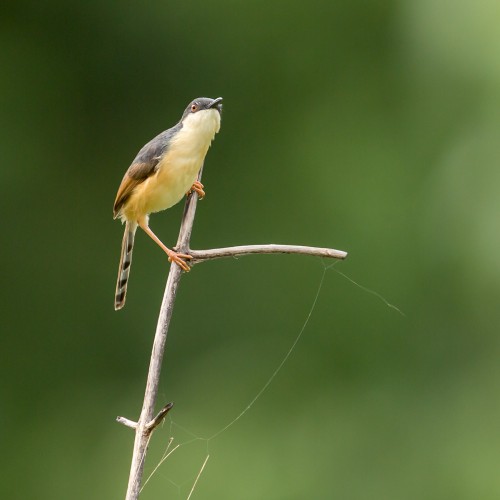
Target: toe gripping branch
x,y
197,187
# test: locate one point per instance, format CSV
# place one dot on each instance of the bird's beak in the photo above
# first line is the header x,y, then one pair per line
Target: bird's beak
x,y
215,103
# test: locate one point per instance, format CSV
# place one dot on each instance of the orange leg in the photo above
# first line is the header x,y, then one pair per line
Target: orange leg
x,y
198,187
172,256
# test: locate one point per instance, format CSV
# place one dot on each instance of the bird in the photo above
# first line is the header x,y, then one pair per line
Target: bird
x,y
163,171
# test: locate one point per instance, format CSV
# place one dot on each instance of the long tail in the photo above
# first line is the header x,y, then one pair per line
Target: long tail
x,y
125,262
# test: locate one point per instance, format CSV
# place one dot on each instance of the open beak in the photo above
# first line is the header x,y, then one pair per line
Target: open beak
x,y
216,103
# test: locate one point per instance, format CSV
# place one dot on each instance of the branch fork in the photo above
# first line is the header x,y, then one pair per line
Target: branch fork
x,y
152,424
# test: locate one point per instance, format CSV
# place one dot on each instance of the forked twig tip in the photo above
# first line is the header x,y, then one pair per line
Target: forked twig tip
x,y
151,426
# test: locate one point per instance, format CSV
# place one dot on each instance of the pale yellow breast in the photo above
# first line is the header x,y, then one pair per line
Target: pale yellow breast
x,y
176,174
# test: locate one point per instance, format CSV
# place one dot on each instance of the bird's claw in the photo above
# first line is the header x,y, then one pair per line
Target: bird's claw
x,y
198,188
178,258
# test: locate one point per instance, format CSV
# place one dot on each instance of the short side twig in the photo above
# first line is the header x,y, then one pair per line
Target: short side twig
x,y
126,422
151,426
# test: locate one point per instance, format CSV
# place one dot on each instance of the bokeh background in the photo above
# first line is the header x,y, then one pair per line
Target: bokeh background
x,y
372,127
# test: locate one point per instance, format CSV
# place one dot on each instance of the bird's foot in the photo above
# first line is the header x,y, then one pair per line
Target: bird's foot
x,y
198,188
178,258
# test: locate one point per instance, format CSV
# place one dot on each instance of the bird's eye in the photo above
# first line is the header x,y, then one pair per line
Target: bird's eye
x,y
194,107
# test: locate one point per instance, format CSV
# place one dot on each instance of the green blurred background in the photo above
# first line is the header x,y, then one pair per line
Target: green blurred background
x,y
371,127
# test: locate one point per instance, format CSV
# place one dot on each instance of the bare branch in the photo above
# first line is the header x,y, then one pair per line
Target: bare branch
x,y
142,432
147,422
219,253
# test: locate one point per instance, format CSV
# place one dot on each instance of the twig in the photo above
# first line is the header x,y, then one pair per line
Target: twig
x,y
198,477
127,422
163,458
218,253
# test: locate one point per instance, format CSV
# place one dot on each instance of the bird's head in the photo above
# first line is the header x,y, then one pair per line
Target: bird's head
x,y
203,112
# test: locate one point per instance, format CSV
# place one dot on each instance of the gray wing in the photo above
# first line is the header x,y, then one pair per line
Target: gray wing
x,y
144,165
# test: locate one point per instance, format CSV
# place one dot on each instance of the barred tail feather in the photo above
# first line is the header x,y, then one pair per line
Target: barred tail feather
x,y
125,263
